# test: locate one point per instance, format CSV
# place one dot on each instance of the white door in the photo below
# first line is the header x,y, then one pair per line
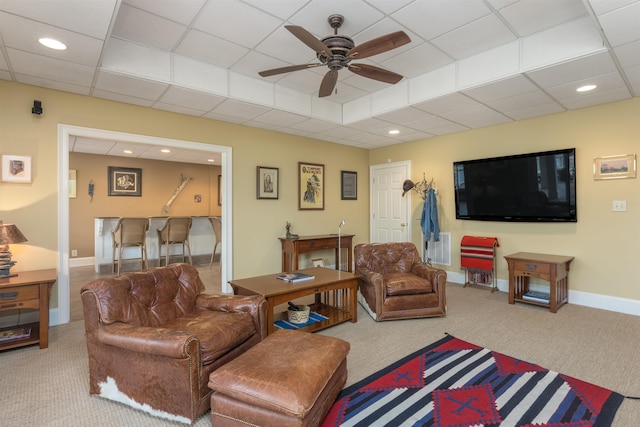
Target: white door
x,y
390,212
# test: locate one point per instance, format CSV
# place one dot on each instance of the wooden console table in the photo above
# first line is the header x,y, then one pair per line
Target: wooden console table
x,y
29,289
334,291
552,268
292,248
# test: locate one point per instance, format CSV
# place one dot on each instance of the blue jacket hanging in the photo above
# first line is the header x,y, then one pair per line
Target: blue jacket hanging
x,y
429,220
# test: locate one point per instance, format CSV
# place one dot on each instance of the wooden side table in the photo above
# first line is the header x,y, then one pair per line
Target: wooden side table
x,y
552,268
292,248
29,289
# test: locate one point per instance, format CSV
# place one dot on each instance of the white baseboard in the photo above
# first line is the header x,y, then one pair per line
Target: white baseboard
x,y
81,262
587,299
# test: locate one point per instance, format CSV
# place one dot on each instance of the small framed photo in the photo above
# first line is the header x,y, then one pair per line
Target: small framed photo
x,y
615,167
310,186
317,262
267,182
349,185
16,169
219,190
124,181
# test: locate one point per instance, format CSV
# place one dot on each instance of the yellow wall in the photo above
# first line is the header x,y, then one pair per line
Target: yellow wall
x,y
159,181
257,224
606,244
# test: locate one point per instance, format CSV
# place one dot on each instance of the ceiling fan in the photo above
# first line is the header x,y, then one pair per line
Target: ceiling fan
x,y
337,51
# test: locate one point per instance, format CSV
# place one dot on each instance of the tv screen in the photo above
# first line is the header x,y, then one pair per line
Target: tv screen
x,y
535,187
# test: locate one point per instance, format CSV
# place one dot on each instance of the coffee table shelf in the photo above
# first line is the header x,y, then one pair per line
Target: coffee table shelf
x,y
334,291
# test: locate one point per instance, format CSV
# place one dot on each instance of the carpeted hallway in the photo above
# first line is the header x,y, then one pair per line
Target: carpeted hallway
x,y
50,387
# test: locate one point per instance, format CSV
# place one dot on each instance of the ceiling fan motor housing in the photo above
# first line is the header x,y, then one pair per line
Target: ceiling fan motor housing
x,y
339,45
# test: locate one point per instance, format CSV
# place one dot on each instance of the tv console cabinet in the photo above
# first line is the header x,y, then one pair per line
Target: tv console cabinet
x,y
552,268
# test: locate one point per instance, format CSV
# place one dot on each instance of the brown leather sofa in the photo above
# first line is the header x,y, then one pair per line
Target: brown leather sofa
x,y
153,338
396,285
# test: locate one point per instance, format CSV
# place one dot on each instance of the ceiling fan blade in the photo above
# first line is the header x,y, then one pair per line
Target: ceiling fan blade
x,y
288,69
307,38
375,73
328,83
379,45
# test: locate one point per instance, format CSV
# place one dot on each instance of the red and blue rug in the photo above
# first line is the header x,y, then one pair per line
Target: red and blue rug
x,y
453,383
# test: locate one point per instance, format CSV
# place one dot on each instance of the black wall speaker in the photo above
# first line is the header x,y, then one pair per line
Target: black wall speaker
x,y
37,107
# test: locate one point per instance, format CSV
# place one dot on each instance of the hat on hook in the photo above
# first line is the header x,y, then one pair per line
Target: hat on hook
x,y
407,185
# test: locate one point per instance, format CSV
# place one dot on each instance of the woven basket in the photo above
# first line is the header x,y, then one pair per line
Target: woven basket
x,y
301,316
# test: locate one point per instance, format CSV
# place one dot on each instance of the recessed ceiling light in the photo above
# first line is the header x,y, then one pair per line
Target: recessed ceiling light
x,y
210,160
128,152
165,150
586,88
52,43
394,132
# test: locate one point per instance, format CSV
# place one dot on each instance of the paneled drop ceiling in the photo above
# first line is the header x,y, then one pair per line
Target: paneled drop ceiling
x,y
470,63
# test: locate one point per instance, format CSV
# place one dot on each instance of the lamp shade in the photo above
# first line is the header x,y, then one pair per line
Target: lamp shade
x,y
9,234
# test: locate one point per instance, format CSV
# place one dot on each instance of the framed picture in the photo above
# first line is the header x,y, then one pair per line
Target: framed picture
x,y
219,190
16,169
72,183
614,167
310,186
317,262
349,185
267,183
125,181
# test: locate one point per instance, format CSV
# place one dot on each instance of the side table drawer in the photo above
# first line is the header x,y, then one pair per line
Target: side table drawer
x,y
304,246
530,268
19,293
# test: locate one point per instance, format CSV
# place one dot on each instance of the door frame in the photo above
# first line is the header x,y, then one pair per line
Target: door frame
x,y
407,165
65,132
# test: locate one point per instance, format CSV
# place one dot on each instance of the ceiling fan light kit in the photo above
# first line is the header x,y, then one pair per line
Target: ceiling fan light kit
x,y
336,51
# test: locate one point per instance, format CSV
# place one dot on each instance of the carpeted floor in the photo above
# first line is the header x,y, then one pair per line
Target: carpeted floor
x,y
50,387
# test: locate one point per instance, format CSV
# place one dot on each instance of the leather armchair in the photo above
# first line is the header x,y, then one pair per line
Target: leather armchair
x,y
394,284
154,337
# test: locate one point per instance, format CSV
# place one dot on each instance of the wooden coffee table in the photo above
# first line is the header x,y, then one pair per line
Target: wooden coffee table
x,y
335,295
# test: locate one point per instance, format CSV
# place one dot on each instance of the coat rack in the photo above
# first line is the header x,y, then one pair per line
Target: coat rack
x,y
421,188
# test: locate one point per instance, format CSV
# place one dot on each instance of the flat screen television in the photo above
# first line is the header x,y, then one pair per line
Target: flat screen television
x,y
535,187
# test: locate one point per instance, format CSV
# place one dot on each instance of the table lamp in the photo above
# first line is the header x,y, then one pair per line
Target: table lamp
x,y
9,234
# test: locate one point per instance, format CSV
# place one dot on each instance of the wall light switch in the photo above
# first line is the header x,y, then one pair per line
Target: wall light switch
x,y
619,205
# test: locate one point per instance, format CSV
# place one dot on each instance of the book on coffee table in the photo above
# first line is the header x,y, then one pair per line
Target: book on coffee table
x,y
295,277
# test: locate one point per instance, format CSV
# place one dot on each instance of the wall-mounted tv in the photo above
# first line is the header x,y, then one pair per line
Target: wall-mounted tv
x,y
535,187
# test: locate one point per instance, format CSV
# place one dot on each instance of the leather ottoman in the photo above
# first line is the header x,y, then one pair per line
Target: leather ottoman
x,y
291,378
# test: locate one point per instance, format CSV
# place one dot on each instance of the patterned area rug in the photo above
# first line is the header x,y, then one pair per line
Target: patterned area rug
x,y
313,318
453,383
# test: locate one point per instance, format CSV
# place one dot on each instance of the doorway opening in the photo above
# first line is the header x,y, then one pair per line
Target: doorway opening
x,y
65,133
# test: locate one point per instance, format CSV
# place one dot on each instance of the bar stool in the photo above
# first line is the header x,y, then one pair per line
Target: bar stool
x,y
175,231
130,232
216,224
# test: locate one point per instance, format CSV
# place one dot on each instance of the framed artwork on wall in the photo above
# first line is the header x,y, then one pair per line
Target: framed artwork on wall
x,y
267,182
16,169
349,185
310,186
219,190
124,181
614,167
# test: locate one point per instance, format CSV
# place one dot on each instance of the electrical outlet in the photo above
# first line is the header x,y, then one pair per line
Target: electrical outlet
x,y
619,205
74,252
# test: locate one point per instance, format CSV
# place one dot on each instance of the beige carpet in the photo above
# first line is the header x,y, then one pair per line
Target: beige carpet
x,y
50,387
